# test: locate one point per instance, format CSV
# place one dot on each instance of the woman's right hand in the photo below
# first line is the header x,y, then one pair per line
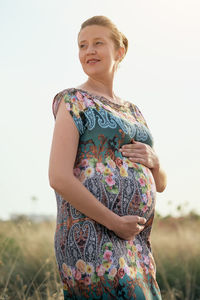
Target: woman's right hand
x,y
129,226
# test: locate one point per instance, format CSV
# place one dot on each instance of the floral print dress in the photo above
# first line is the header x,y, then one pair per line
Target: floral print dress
x,y
93,262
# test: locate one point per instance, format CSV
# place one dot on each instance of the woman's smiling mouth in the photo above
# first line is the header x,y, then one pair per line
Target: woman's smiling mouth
x,y
92,61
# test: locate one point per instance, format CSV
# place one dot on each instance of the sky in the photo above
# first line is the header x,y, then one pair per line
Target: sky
x,y
160,74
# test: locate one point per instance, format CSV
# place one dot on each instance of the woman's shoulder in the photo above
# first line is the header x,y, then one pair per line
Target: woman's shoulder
x,y
69,95
76,100
132,106
66,91
74,92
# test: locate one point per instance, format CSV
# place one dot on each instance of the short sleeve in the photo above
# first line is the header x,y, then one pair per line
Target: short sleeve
x,y
75,106
139,116
145,134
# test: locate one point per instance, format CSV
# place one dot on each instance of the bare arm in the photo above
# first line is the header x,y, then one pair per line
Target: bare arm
x,y
160,177
61,178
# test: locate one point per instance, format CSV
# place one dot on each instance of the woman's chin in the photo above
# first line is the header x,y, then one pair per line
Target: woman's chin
x,y
93,71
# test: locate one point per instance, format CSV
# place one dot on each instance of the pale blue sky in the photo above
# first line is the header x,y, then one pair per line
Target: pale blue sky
x,y
160,74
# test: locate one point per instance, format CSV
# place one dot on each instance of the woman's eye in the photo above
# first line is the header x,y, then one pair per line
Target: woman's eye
x,y
81,46
99,42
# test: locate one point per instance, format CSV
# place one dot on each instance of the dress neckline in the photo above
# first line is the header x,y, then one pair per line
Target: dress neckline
x,y
101,98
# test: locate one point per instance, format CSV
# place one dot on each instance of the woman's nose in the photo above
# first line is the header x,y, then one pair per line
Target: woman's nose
x,y
91,50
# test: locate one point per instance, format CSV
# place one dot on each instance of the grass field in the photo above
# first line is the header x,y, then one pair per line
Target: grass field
x,y
28,269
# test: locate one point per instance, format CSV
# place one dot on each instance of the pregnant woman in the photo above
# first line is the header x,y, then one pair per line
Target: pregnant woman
x,y
105,174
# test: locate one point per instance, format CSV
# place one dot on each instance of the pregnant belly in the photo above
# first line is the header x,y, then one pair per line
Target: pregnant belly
x,y
124,187
139,192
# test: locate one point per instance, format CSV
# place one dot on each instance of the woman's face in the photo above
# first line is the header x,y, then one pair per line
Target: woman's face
x,y
97,53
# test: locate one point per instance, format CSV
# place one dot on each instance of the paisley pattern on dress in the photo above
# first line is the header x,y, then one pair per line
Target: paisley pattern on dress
x,y
93,262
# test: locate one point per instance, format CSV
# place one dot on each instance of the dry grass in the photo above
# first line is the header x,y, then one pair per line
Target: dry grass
x,y
28,269
176,246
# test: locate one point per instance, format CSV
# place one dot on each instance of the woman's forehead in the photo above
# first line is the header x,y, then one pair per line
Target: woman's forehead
x,y
93,32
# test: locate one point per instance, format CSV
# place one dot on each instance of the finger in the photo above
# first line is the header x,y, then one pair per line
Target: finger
x,y
126,147
133,146
138,160
139,228
145,162
133,141
134,152
138,155
141,220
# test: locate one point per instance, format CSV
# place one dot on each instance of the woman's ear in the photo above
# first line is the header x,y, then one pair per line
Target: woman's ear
x,y
121,52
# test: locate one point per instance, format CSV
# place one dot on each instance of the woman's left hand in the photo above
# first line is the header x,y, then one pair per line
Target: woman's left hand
x,y
141,153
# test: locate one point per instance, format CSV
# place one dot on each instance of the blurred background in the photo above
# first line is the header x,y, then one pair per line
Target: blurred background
x,y
160,74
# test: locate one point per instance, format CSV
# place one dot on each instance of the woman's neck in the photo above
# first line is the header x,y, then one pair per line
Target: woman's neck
x,y
100,88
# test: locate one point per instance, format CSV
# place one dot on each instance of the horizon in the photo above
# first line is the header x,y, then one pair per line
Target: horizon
x,y
160,74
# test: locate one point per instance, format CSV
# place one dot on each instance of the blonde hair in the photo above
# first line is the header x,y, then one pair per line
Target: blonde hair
x,y
117,37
